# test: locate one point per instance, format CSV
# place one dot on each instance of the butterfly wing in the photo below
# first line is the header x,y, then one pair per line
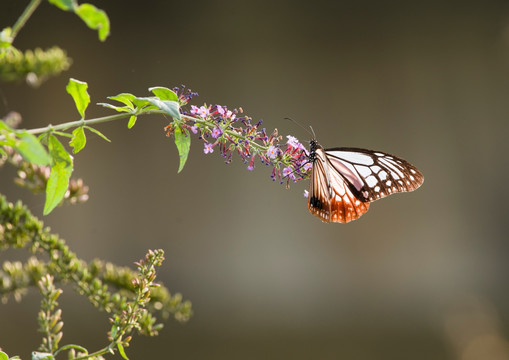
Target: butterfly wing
x,y
330,197
373,175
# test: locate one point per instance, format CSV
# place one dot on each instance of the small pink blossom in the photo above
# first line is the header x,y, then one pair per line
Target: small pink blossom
x,y
287,171
216,132
272,152
306,193
194,129
203,112
294,142
209,148
307,166
251,164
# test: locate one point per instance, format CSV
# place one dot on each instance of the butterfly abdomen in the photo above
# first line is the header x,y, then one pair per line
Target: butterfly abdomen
x,y
316,203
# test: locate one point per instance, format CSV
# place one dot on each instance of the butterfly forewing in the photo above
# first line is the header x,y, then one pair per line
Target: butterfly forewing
x,y
376,174
345,180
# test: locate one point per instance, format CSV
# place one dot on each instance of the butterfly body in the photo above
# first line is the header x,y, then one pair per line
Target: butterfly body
x,y
345,180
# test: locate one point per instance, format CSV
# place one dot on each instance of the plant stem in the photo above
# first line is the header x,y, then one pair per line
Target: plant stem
x,y
82,122
24,17
77,123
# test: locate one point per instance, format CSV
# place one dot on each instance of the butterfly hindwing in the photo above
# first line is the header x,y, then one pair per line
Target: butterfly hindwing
x,y
330,197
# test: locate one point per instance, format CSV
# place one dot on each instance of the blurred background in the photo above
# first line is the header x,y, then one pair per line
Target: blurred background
x,y
422,275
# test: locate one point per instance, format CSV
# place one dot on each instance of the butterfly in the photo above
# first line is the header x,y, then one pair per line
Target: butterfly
x,y
345,180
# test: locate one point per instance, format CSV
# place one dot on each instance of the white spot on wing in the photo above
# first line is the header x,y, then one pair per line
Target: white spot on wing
x,y
371,181
376,169
363,170
354,157
383,175
393,167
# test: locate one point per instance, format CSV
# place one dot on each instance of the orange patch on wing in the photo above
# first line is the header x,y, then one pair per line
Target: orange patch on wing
x,y
346,208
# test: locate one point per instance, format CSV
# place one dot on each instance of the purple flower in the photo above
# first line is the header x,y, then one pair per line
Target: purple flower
x,y
216,133
203,112
306,193
293,142
287,171
209,148
251,164
272,152
234,132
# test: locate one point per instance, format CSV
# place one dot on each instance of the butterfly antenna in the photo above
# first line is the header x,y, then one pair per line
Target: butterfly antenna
x,y
312,133
314,136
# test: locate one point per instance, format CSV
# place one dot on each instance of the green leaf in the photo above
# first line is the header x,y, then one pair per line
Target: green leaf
x,y
61,170
78,90
140,102
150,107
183,142
132,121
78,139
125,98
97,132
168,106
164,93
95,19
116,108
56,187
3,356
65,5
113,331
43,138
32,150
61,133
122,351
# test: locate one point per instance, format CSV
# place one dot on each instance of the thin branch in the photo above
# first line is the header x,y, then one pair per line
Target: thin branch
x,y
72,124
24,17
